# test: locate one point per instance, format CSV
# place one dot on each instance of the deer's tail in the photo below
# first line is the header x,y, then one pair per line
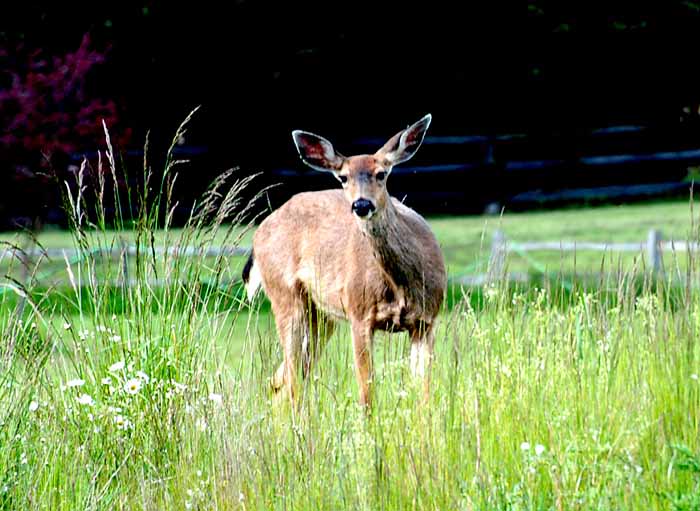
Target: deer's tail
x,y
251,277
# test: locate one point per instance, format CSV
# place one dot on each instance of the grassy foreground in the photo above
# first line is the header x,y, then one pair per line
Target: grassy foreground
x,y
147,397
535,405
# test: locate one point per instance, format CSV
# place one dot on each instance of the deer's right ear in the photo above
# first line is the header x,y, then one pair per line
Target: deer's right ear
x,y
317,152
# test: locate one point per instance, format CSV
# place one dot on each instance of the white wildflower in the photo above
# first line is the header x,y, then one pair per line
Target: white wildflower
x,y
216,398
122,422
132,386
77,382
525,446
33,406
66,326
106,380
115,338
143,377
85,399
117,366
539,449
180,387
491,292
693,376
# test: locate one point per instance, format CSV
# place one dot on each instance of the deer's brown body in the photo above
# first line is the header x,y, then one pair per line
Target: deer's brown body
x,y
354,254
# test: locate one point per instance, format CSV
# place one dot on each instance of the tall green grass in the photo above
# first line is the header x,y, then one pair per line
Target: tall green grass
x,y
157,397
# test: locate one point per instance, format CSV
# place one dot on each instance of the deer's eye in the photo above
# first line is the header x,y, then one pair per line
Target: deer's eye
x,y
343,179
380,176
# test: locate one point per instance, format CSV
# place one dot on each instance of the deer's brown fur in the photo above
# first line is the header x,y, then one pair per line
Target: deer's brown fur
x,y
319,262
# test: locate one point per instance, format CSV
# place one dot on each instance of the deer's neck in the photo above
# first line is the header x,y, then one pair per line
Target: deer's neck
x,y
394,247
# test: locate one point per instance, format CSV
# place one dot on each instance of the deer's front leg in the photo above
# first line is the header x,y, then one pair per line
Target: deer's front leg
x,y
362,348
422,341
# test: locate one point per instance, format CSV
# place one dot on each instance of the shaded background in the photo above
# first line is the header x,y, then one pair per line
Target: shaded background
x,y
534,104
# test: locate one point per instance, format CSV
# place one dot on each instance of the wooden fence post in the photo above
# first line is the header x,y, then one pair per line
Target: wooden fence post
x,y
654,250
124,260
497,259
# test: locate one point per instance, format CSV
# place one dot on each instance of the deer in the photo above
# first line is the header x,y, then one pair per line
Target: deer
x,y
353,254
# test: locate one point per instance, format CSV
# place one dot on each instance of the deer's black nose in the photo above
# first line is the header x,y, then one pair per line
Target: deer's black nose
x,y
363,207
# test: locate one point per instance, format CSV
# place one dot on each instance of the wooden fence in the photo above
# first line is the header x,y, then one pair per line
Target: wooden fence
x,y
653,248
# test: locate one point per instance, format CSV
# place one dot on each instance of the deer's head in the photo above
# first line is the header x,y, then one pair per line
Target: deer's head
x,y
363,177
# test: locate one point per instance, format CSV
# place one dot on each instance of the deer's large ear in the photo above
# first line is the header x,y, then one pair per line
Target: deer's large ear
x,y
402,146
317,152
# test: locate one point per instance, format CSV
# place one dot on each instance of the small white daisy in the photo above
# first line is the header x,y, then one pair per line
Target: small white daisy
x,y
525,446
216,398
143,377
539,449
122,422
132,386
85,399
33,406
117,366
77,382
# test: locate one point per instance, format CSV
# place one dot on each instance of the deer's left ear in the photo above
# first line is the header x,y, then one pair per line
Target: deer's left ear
x,y
402,146
317,152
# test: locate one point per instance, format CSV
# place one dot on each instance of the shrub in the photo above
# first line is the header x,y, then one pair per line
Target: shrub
x,y
49,115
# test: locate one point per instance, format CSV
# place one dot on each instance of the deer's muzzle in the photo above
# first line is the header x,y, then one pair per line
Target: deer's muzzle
x,y
363,208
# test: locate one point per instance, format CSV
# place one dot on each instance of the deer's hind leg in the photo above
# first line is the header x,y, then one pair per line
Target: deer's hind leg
x,y
292,322
316,328
321,329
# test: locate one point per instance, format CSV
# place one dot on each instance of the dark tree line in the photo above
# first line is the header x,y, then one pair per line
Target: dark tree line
x,y
350,69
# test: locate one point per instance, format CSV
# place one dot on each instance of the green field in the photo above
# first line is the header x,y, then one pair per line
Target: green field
x,y
466,241
547,395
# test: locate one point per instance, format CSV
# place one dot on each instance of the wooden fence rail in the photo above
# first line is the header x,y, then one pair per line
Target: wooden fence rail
x,y
653,247
129,250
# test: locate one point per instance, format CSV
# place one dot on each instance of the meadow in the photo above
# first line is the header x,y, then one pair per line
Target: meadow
x,y
155,395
